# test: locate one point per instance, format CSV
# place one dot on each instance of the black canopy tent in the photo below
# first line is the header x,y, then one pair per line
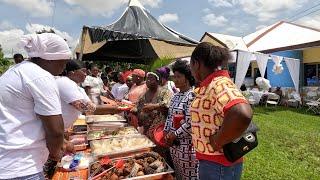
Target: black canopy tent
x,y
136,37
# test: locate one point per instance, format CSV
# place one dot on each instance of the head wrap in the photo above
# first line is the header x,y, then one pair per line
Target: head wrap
x,y
47,46
126,74
154,74
164,72
139,72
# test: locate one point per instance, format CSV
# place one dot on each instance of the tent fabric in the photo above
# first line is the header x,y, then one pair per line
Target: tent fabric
x,y
294,69
88,46
165,49
137,23
141,31
242,68
262,61
132,51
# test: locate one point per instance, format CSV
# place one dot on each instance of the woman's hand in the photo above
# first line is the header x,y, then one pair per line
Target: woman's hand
x,y
149,107
169,138
90,107
134,110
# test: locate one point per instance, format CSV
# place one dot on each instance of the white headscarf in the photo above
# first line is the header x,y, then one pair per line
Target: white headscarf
x,y
47,46
154,74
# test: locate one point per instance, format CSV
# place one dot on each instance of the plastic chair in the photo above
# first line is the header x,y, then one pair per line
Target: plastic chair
x,y
273,99
294,100
314,106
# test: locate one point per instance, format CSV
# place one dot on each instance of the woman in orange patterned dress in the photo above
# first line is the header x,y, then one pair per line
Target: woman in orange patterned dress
x,y
219,113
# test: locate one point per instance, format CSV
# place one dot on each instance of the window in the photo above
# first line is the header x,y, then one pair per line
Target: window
x,y
311,74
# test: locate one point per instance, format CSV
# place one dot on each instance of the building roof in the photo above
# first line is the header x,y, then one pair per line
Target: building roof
x,y
282,36
231,42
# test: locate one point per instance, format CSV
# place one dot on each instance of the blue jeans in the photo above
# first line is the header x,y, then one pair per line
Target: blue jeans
x,y
213,171
38,176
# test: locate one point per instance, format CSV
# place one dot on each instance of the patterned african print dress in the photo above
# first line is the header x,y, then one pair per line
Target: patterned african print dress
x,y
183,155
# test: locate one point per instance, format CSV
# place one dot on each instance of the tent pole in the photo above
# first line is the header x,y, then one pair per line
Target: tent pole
x,y
235,67
82,43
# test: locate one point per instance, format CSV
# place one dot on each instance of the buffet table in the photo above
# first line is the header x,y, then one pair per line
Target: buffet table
x,y
108,136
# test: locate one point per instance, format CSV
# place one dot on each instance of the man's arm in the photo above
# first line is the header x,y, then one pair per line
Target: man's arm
x,y
53,127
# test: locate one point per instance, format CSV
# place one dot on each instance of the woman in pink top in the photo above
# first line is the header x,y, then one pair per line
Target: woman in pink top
x,y
139,88
136,92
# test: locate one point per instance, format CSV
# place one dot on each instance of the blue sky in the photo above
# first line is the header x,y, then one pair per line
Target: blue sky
x,y
189,17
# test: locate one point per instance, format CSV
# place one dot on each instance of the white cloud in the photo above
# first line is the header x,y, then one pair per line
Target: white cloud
x,y
103,7
311,21
167,18
222,3
231,29
33,28
9,40
95,7
260,27
206,10
213,20
266,10
36,8
5,25
151,3
263,9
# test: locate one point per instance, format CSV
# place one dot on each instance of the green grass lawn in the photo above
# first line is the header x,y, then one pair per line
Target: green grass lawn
x,y
289,145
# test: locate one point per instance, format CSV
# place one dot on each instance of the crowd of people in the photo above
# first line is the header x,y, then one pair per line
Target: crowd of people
x,y
200,110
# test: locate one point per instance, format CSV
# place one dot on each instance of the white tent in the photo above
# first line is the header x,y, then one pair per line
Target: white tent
x,y
282,36
244,58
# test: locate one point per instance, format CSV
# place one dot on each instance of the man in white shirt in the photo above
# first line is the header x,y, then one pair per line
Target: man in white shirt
x,y
31,125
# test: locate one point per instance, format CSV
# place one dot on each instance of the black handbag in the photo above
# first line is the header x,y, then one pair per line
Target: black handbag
x,y
241,146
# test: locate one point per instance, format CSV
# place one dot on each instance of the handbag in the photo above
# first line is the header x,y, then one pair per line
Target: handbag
x,y
242,145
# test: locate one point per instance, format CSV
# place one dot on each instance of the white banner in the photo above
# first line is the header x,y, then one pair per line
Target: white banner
x,y
294,69
243,62
262,61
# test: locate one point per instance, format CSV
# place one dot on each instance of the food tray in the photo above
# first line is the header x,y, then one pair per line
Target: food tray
x,y
79,145
79,129
111,126
128,146
105,134
155,176
104,118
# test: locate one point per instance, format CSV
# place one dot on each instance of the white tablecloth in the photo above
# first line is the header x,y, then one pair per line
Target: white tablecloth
x,y
258,94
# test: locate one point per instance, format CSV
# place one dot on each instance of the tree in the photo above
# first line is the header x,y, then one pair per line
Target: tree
x,y
5,63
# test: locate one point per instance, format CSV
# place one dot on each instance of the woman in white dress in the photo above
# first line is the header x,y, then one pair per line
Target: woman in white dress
x,y
93,84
